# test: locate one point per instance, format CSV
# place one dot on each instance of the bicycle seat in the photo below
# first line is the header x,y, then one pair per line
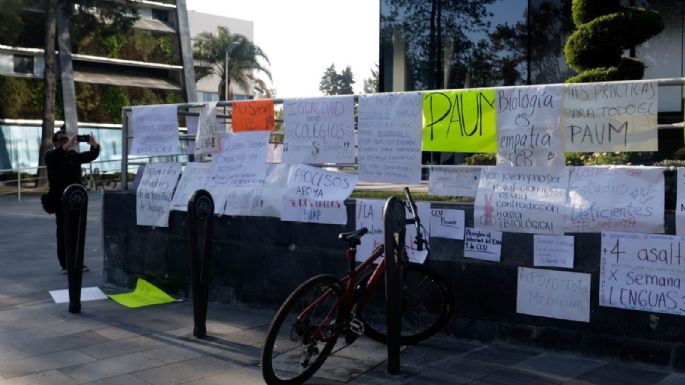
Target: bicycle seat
x,y
354,237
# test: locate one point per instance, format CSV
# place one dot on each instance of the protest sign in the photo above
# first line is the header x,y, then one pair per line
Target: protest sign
x,y
483,244
459,121
260,201
454,180
253,115
369,214
530,200
680,202
208,130
390,138
553,294
528,133
642,272
553,250
155,130
618,198
447,223
616,116
195,177
316,195
319,130
155,193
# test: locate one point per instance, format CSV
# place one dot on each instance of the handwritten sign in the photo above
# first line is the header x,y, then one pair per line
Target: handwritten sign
x,y
616,198
531,200
553,294
155,193
253,115
195,176
680,201
459,121
316,195
483,244
553,250
616,116
259,201
454,180
390,138
208,130
155,130
319,130
447,223
369,214
528,132
642,272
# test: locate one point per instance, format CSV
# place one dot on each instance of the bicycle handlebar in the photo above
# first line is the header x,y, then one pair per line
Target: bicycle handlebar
x,y
416,220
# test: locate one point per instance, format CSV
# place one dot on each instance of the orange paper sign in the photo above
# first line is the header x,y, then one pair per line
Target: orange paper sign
x,y
254,115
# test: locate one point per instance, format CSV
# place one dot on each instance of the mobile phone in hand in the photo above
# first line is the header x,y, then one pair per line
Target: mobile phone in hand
x,y
82,138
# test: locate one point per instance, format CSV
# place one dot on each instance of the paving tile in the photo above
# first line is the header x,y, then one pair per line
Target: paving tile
x,y
55,344
623,374
29,365
173,354
559,366
126,379
467,367
186,371
239,376
434,376
501,354
512,376
50,377
111,367
117,348
673,379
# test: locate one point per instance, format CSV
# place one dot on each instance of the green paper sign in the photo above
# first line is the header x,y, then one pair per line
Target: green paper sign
x,y
460,121
145,294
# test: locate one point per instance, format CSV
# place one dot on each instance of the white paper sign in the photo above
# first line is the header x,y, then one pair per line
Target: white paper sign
x,y
87,294
447,223
553,294
528,133
680,202
390,137
316,195
319,130
155,130
643,272
208,130
553,250
617,198
195,176
242,159
369,214
454,180
483,244
260,201
155,193
530,200
616,116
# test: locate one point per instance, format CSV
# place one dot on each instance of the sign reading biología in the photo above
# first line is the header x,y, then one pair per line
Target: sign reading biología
x,y
643,272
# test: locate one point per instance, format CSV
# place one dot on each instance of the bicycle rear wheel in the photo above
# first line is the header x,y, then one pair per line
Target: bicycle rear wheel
x,y
303,332
426,307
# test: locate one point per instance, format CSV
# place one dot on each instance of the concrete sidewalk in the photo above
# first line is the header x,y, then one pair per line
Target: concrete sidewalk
x,y
42,343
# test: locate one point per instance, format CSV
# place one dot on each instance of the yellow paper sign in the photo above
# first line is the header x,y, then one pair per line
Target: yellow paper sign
x,y
145,294
459,121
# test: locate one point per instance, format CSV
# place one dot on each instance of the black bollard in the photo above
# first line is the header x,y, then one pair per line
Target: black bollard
x,y
394,230
200,217
75,214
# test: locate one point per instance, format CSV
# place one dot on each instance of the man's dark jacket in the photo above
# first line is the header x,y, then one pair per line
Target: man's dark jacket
x,y
64,168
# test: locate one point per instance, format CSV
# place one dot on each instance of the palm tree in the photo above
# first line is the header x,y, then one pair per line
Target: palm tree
x,y
223,52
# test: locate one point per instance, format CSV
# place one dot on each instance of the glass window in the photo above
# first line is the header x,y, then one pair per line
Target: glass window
x,y
23,64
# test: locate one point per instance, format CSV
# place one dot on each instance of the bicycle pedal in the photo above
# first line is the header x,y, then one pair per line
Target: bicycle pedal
x,y
356,326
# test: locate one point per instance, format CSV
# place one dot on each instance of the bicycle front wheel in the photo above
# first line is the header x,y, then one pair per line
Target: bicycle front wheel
x,y
303,332
426,307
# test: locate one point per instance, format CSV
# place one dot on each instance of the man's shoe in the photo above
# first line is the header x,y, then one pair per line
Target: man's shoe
x,y
85,268
62,270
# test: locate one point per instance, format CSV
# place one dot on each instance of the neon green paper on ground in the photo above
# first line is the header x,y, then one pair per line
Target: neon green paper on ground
x,y
145,294
459,121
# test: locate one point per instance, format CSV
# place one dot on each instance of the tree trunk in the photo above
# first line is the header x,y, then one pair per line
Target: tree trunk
x,y
49,89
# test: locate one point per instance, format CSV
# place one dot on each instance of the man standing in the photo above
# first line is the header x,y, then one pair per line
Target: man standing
x,y
64,169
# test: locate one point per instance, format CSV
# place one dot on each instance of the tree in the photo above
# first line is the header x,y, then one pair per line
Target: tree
x,y
334,83
231,57
371,85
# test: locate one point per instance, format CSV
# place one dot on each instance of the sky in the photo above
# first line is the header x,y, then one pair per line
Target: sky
x,y
304,37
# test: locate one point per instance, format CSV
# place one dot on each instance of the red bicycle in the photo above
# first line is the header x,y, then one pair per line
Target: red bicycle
x,y
307,326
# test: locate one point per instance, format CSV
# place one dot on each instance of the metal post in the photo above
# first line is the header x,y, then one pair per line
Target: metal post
x,y
75,213
200,217
124,150
19,185
394,222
